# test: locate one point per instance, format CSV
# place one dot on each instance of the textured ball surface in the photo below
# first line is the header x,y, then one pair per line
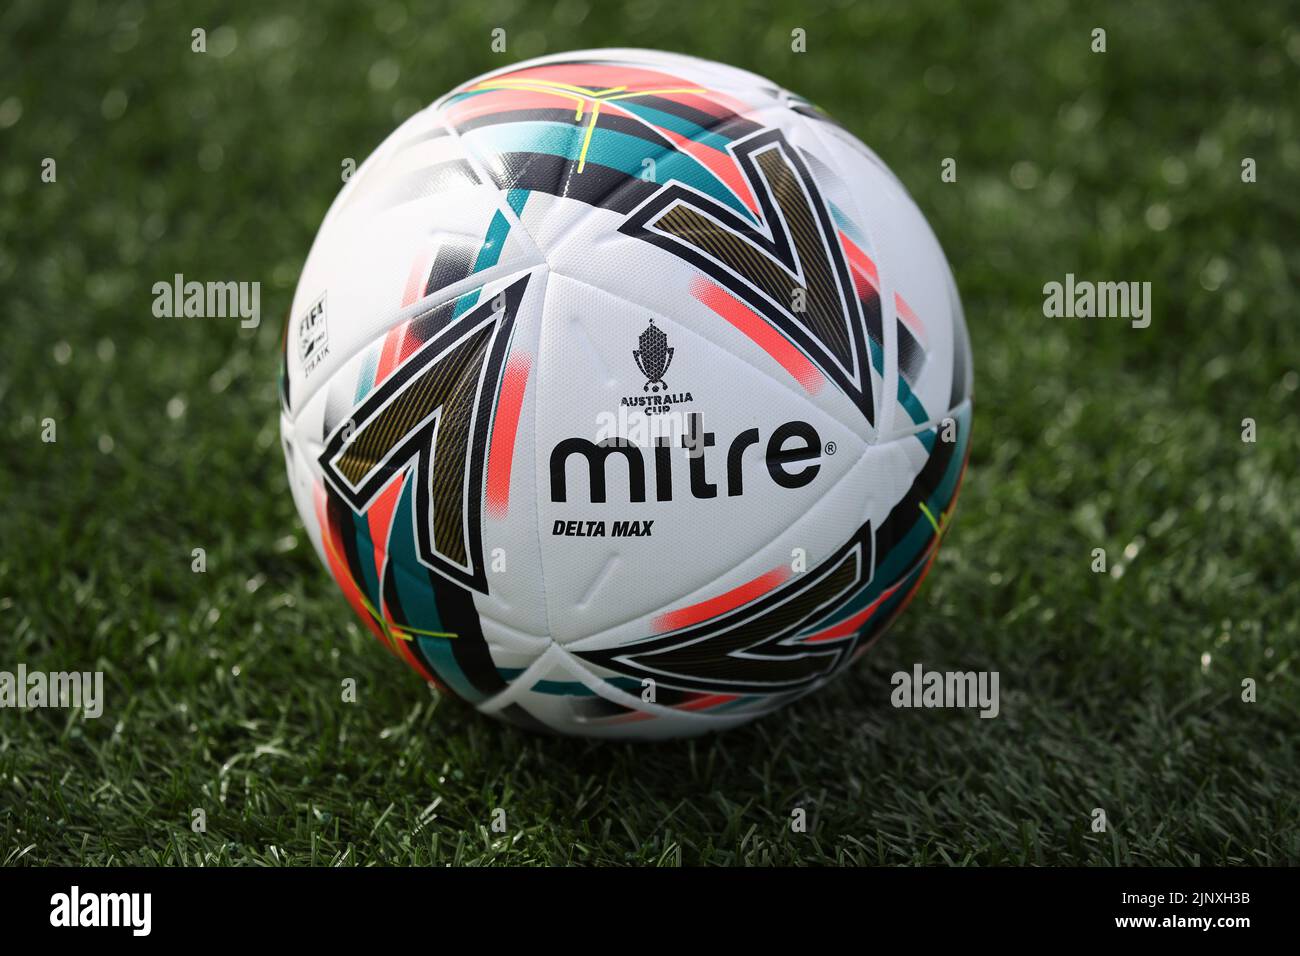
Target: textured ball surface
x,y
625,394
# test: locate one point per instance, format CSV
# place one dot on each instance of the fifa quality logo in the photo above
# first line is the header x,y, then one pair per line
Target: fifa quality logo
x,y
653,357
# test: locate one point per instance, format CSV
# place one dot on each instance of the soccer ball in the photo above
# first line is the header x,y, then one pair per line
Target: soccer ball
x,y
625,394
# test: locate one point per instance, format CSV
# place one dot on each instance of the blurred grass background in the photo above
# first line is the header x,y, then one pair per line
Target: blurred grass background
x,y
1120,691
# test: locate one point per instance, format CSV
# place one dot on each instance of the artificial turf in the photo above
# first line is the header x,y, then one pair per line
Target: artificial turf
x,y
1120,690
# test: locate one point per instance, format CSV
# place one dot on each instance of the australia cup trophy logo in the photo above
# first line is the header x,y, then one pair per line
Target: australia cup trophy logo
x,y
653,357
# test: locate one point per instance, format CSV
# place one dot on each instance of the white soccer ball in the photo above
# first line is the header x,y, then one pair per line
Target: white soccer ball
x,y
625,394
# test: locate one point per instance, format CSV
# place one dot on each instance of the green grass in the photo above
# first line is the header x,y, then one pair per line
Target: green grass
x,y
224,687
